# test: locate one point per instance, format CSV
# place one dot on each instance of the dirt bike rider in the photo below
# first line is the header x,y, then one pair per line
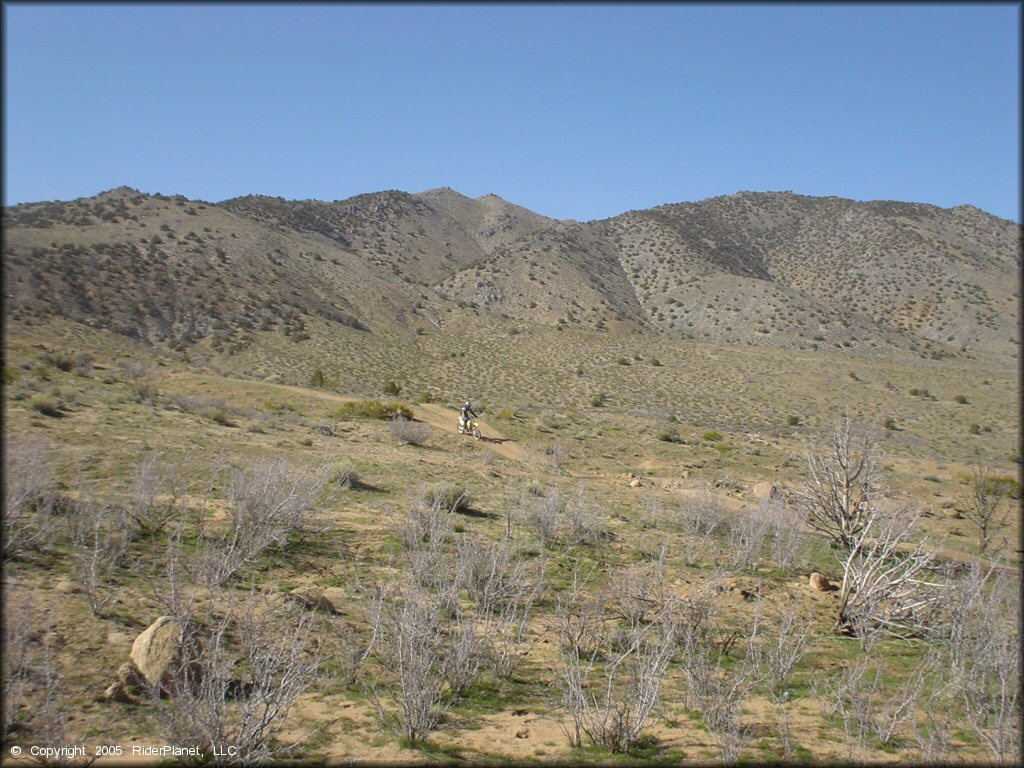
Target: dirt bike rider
x,y
467,409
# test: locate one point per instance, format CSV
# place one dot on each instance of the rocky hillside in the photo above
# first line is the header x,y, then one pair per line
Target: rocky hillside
x,y
774,269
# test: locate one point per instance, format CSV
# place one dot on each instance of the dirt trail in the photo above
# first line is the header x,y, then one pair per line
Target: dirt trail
x,y
436,416
448,419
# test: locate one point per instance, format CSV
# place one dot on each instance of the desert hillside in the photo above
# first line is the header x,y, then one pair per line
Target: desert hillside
x,y
746,487
768,269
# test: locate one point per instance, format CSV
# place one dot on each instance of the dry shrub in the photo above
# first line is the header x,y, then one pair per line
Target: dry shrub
x,y
613,666
409,432
28,518
256,657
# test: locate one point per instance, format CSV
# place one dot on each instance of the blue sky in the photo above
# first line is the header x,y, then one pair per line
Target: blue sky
x,y
573,111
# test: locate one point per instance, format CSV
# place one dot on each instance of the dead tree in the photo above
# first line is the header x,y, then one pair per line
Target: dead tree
x,y
985,509
887,587
838,495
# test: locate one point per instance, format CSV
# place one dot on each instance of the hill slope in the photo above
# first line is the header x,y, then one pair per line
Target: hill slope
x,y
768,269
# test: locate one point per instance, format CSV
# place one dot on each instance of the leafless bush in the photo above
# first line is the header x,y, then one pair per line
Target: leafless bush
x,y
700,520
933,736
272,504
555,456
454,497
429,520
652,514
789,543
582,524
28,495
466,649
345,476
351,652
785,645
158,493
499,583
637,591
857,696
133,371
885,587
256,658
843,480
543,516
841,696
409,432
985,508
745,537
411,641
984,660
17,628
612,671
36,701
274,501
100,538
173,592
719,690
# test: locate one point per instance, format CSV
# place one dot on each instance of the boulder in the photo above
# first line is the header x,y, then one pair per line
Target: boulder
x,y
117,692
159,652
129,676
819,582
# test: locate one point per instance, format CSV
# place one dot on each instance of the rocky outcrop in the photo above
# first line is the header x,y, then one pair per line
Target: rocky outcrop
x,y
165,656
820,583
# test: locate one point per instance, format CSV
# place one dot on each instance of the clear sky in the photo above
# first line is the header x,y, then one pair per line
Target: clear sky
x,y
579,111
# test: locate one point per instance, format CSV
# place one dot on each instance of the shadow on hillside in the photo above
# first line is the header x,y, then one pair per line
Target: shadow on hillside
x,y
360,485
495,440
470,512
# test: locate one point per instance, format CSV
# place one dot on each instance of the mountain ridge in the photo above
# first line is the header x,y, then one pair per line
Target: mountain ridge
x,y
775,268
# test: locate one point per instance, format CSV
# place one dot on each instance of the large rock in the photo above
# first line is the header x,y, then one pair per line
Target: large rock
x,y
129,676
159,655
820,582
117,692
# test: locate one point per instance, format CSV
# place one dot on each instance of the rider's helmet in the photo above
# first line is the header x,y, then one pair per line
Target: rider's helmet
x,y
468,405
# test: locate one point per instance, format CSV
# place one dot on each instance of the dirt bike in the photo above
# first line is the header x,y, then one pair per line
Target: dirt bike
x,y
469,426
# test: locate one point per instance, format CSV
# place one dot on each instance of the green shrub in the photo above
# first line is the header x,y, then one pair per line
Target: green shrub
x,y
671,436
450,496
962,399
889,423
372,409
974,429
272,406
392,388
317,379
1003,486
712,436
61,361
45,405
793,421
599,399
